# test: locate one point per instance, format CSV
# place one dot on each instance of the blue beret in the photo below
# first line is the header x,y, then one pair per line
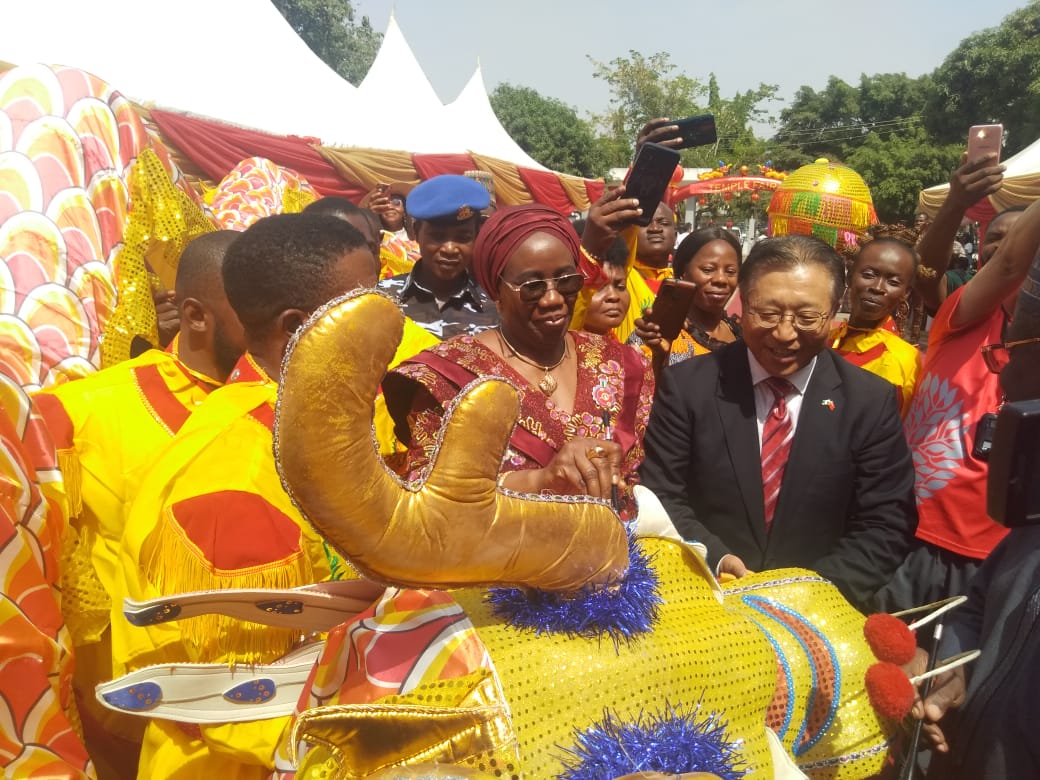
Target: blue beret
x,y
447,197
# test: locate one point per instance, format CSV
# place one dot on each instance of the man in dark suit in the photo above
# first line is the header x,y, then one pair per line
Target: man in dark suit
x,y
773,451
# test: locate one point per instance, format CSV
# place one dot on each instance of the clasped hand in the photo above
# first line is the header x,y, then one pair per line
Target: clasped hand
x,y
582,467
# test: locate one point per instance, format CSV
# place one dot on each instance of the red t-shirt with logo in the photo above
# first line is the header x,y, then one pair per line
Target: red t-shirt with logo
x,y
955,390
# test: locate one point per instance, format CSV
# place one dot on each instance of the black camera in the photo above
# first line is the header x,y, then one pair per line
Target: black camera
x,y
1013,490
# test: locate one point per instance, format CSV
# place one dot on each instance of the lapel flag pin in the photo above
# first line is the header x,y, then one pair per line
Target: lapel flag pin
x,y
828,403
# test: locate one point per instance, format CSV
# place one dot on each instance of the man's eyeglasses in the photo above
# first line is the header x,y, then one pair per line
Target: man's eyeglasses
x,y
532,290
806,321
996,356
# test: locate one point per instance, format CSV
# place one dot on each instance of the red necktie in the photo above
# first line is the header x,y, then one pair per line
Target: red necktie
x,y
777,434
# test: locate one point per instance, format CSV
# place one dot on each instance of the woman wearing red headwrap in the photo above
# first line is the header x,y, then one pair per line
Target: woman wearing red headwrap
x,y
584,399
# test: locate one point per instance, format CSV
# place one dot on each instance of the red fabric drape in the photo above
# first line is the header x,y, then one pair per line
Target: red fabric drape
x,y
217,148
430,165
594,189
545,188
983,213
723,184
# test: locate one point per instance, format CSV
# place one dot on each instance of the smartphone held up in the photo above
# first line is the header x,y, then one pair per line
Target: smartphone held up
x,y
671,306
985,139
648,180
693,131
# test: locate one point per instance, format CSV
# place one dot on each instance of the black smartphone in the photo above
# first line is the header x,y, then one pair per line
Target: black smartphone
x,y
695,131
651,171
671,306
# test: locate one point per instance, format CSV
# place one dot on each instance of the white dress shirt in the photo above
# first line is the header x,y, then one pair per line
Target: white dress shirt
x,y
764,397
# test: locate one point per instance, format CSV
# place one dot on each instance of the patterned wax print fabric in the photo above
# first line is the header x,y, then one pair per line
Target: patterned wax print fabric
x,y
468,311
612,378
257,188
410,647
40,736
71,150
880,351
397,255
955,390
413,341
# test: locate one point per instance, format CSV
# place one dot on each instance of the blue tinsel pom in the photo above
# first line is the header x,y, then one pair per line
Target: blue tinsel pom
x,y
673,743
618,612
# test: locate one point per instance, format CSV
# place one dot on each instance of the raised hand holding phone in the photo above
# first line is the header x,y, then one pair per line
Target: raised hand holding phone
x,y
648,180
985,139
607,216
671,306
679,133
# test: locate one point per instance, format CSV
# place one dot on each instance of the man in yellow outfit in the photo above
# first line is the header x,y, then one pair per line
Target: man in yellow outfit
x,y
212,513
108,428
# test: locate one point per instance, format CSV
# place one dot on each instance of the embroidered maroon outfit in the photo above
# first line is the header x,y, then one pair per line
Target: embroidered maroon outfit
x,y
612,378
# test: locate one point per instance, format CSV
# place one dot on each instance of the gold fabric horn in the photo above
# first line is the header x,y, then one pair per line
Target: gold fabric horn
x,y
454,529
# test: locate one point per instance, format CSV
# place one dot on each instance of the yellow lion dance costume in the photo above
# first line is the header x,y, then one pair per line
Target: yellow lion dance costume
x,y
512,635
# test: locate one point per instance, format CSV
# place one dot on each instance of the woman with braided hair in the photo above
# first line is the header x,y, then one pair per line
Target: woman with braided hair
x,y
882,274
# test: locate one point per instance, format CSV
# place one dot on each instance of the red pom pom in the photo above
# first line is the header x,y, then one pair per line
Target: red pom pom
x,y
890,639
890,690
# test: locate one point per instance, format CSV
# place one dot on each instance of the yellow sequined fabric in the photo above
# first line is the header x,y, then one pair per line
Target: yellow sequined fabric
x,y
697,652
818,637
85,602
781,650
162,220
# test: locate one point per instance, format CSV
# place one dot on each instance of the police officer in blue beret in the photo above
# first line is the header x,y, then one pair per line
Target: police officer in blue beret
x,y
439,294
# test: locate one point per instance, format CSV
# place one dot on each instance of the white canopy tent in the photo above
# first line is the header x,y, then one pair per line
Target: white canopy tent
x,y
168,61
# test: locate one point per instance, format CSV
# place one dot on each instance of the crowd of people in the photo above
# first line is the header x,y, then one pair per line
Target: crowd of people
x,y
773,431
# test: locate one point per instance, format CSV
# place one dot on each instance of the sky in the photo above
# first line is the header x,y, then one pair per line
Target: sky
x,y
545,44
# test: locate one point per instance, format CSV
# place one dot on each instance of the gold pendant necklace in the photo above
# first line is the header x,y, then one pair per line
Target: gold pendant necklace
x,y
547,384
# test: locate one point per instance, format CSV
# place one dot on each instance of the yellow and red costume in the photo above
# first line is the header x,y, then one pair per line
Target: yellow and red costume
x,y
108,428
652,275
212,514
880,351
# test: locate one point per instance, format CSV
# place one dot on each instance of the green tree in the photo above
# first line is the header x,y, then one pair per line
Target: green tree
x,y
330,29
548,130
992,76
643,88
817,124
897,166
877,129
